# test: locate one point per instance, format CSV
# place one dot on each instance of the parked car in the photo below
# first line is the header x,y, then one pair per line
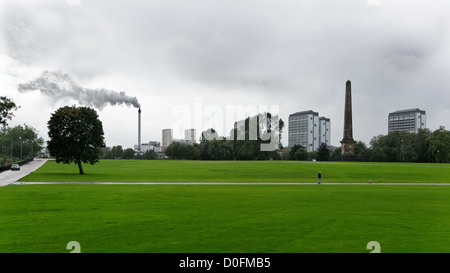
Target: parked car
x,y
15,167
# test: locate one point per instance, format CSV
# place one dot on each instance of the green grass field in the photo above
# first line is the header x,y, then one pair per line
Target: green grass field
x,y
228,218
241,171
221,218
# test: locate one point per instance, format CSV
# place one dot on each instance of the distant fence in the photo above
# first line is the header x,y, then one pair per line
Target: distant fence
x,y
8,166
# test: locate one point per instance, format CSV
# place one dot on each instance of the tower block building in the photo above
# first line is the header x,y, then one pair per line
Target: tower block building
x,y
348,143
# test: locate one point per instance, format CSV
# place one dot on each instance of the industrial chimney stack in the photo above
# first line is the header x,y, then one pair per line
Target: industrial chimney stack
x,y
139,129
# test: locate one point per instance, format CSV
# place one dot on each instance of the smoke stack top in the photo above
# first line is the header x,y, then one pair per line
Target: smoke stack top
x,y
59,85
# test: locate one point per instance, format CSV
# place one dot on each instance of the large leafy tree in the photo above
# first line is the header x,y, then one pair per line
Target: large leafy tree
x,y
440,145
6,108
178,150
258,137
323,153
117,151
220,150
76,134
301,153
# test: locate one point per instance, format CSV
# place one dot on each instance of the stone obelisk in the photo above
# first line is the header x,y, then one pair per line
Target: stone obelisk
x,y
348,143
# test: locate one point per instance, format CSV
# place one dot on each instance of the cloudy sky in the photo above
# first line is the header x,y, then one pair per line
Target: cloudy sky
x,y
186,63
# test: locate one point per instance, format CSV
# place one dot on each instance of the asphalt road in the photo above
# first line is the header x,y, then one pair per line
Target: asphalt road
x,y
8,177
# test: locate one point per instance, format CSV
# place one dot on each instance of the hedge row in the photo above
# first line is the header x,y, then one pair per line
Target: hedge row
x,y
8,166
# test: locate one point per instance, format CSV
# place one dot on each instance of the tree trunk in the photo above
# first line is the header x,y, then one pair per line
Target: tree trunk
x,y
80,167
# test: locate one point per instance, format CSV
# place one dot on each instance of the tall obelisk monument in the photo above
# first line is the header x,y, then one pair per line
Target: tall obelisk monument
x,y
348,143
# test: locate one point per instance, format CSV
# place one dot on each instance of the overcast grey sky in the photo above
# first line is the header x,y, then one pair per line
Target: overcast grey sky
x,y
198,55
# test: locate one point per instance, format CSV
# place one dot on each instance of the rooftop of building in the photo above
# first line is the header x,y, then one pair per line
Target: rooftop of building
x,y
413,110
305,113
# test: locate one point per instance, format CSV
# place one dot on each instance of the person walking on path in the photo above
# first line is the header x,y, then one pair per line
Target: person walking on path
x,y
320,177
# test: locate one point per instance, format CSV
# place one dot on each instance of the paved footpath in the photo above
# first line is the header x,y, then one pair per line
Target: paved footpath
x,y
9,177
222,183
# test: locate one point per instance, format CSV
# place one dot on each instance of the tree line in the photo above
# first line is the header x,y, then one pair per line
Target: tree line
x,y
298,152
117,152
400,146
256,138
18,143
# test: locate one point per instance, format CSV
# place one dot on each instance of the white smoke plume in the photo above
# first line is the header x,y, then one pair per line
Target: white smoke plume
x,y
59,85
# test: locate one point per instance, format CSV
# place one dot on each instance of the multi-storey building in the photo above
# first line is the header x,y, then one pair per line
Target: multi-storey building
x,y
308,130
324,131
167,137
190,135
410,120
150,146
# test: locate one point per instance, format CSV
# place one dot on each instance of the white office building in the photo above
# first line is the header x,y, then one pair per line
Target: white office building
x,y
150,146
190,136
167,137
308,130
324,131
410,120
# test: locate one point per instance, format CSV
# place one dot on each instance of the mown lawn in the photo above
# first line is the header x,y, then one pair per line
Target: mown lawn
x,y
241,171
224,218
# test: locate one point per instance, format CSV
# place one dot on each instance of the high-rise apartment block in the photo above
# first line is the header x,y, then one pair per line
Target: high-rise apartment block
x,y
324,131
167,137
308,130
189,136
410,120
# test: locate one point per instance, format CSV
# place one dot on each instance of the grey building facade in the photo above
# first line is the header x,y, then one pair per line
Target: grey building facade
x,y
190,136
409,120
167,137
308,130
